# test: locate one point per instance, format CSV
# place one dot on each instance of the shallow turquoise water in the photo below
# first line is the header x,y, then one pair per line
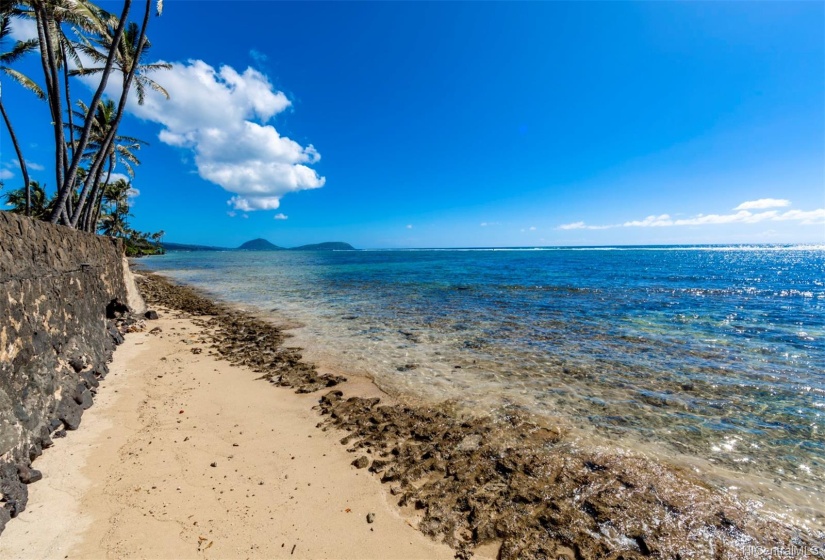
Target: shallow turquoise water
x,y
713,352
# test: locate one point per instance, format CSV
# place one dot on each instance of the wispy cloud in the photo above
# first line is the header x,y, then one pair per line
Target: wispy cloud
x,y
280,216
258,56
763,203
6,174
740,215
409,226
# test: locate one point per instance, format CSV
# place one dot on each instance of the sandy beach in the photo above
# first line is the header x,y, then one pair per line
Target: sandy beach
x,y
187,456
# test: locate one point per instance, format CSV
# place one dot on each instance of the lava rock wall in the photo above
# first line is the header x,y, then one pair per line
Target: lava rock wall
x,y
56,287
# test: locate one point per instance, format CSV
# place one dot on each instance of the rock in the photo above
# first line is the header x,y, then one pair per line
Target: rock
x,y
89,379
213,464
197,350
28,475
117,338
116,309
151,315
68,411
78,363
86,400
361,462
60,433
469,443
370,517
156,330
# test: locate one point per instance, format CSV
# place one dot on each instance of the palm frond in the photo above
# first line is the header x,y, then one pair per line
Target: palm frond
x,y
24,81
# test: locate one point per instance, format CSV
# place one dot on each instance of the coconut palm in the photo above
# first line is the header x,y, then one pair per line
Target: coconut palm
x,y
32,201
120,150
7,58
127,60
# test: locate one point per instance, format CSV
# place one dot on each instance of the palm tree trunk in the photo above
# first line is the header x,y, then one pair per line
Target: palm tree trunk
x,y
124,95
63,190
23,170
66,159
95,190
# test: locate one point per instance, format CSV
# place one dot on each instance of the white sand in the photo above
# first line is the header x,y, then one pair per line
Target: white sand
x,y
135,480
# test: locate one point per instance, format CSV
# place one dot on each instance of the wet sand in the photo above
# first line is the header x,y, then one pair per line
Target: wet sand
x,y
187,456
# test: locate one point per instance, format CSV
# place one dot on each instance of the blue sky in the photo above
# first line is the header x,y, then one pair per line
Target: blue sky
x,y
475,124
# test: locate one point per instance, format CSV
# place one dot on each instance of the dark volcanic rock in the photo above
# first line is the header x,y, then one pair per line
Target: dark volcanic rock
x,y
69,412
116,309
53,333
28,475
361,462
151,315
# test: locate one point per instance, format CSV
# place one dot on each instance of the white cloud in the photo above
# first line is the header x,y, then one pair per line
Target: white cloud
x,y
763,203
489,224
6,174
222,115
810,217
409,226
280,216
23,29
132,192
532,228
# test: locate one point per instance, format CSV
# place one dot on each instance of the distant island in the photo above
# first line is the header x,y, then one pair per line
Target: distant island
x,y
261,244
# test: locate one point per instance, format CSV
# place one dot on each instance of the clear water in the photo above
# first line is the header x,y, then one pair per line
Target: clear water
x,y
707,353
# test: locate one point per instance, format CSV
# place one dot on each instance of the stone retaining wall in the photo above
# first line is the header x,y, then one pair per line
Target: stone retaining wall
x,y
55,339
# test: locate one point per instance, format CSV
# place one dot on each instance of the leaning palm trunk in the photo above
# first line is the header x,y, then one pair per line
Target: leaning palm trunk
x,y
102,154
23,170
45,26
67,185
97,192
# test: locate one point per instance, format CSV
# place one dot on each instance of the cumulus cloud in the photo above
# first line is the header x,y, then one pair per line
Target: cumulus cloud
x,y
223,116
280,216
739,216
763,203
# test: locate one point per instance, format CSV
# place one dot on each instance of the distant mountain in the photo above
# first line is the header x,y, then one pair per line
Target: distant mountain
x,y
328,246
259,245
184,247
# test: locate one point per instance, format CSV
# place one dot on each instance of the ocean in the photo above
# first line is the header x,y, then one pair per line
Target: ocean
x,y
707,357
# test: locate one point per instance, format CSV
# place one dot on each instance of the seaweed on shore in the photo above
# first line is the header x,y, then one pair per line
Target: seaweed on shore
x,y
510,481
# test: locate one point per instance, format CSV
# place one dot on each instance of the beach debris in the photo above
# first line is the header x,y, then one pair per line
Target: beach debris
x,y
370,517
197,350
361,462
156,330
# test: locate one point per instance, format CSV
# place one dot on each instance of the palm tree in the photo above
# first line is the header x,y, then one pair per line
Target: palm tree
x,y
7,58
127,60
120,150
116,199
31,202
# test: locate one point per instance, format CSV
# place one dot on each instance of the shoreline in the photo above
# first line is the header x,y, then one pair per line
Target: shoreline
x,y
509,491
138,481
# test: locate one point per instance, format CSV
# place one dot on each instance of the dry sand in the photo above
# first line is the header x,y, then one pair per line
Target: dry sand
x,y
186,456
